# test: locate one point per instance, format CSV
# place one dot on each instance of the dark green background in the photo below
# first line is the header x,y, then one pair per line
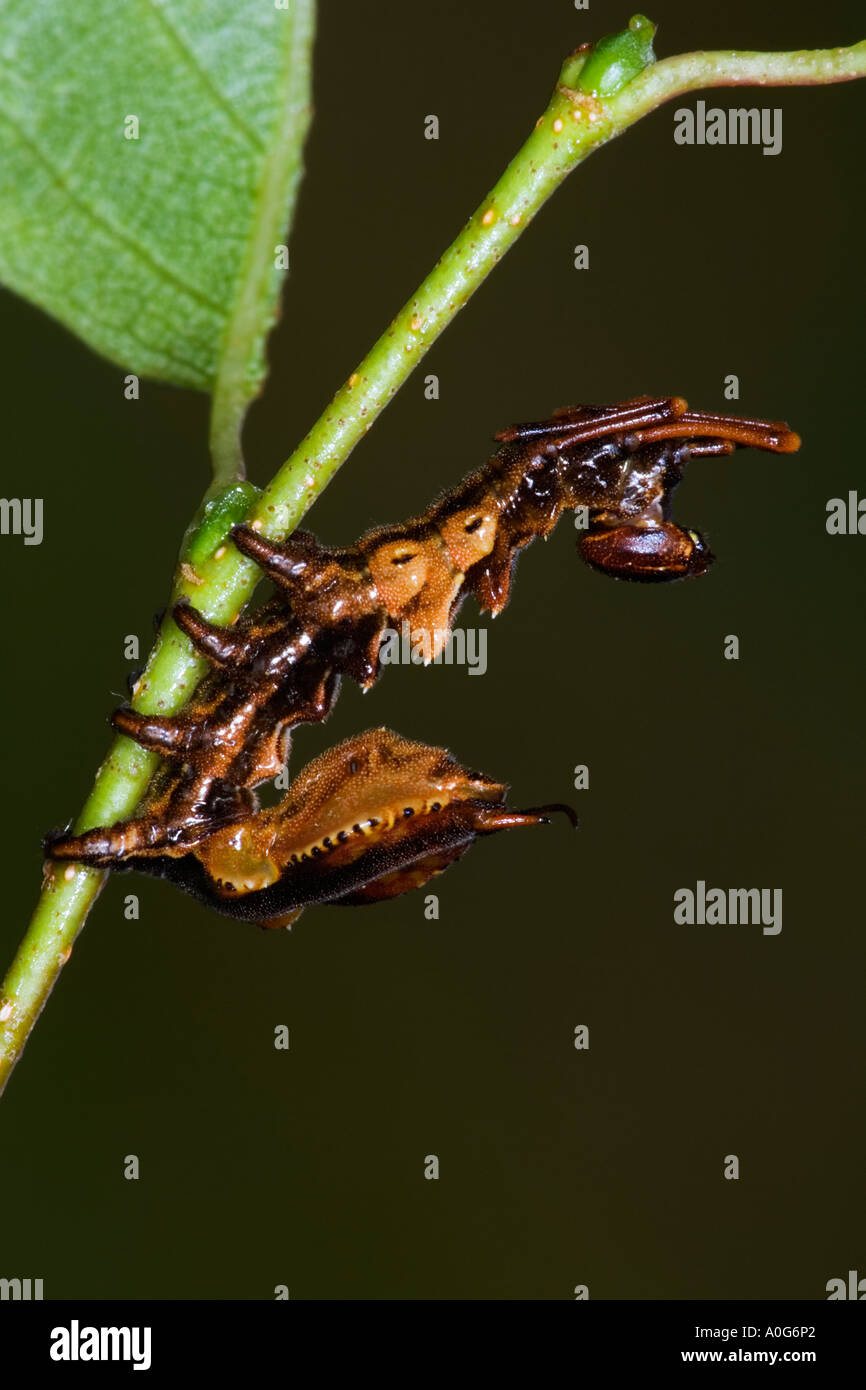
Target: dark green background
x,y
454,1037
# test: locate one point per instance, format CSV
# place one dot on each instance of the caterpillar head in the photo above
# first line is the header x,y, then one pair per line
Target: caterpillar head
x,y
648,553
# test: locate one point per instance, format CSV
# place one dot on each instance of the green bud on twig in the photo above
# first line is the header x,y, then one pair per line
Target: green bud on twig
x,y
617,58
220,515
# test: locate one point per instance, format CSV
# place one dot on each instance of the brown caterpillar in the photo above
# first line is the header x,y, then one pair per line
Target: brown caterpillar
x,y
369,819
281,666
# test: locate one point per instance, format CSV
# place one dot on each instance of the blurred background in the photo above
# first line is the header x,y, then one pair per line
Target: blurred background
x,y
455,1037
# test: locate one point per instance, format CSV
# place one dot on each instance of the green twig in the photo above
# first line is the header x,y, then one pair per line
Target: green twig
x,y
581,116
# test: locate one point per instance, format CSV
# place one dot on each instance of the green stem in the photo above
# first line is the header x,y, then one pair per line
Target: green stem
x,y
220,582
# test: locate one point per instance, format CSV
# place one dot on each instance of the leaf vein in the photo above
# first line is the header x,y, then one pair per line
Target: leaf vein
x,y
156,266
193,61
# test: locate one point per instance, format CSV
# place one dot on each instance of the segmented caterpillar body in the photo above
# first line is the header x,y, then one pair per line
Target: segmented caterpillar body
x,y
281,666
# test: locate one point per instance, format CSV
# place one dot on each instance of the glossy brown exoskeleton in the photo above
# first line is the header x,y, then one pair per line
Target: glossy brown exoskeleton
x,y
281,666
369,819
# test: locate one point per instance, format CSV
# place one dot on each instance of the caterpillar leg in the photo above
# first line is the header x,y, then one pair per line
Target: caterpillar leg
x,y
142,836
109,845
286,562
223,646
176,735
182,819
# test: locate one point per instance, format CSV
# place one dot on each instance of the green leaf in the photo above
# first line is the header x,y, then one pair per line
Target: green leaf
x,y
158,251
